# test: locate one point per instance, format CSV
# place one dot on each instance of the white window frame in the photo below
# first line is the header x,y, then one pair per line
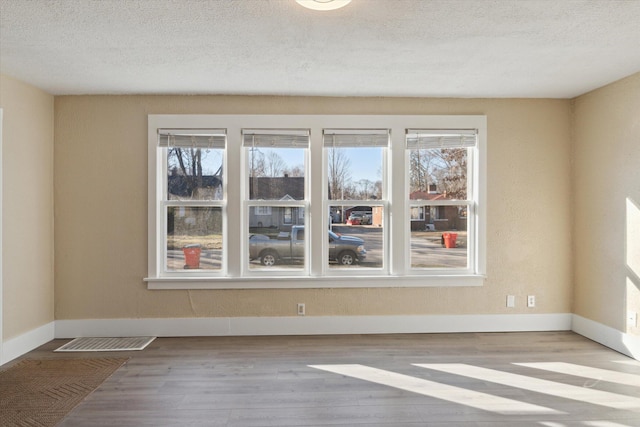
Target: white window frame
x,y
317,220
354,134
437,206
163,204
285,203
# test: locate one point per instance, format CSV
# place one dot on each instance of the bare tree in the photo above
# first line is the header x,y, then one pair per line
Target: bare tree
x,y
453,172
339,173
188,163
273,164
378,189
365,189
256,162
420,169
297,171
447,168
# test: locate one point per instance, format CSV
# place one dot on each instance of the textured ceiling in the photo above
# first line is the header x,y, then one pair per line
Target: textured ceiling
x,y
433,48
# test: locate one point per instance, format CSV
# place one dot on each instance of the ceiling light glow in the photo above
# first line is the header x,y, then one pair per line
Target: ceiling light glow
x,y
323,4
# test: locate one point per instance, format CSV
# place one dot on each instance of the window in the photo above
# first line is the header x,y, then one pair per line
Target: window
x,y
263,210
192,201
357,197
287,217
260,201
440,171
275,169
417,213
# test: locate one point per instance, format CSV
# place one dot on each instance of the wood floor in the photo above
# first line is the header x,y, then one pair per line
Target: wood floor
x,y
366,380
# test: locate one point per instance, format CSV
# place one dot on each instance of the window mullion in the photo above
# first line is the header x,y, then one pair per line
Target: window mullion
x,y
317,204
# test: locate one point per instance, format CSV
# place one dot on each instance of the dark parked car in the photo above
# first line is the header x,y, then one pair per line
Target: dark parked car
x,y
346,250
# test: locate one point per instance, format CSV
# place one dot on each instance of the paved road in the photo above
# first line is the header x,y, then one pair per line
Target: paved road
x,y
426,251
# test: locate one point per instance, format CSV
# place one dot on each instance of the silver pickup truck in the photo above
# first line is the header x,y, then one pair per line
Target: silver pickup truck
x,y
346,250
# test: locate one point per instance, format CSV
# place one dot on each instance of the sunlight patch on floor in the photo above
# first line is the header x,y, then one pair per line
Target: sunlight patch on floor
x,y
596,397
446,392
587,372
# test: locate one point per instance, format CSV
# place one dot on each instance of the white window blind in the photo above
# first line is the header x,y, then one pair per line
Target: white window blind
x,y
441,138
192,138
276,138
356,137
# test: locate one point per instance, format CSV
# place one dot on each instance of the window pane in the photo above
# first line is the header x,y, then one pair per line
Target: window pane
x,y
355,173
276,240
194,238
356,236
439,240
438,174
417,213
194,173
276,173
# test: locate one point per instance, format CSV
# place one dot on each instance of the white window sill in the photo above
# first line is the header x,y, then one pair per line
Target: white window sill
x,y
288,282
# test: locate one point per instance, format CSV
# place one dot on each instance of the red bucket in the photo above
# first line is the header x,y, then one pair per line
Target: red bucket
x,y
192,256
449,240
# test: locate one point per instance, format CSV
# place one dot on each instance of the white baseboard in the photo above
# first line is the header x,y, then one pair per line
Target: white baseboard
x,y
321,325
307,325
621,342
16,347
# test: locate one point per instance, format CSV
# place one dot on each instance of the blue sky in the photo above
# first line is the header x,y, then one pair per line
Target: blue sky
x,y
365,163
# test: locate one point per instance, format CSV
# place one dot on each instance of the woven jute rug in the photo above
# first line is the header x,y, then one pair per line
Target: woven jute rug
x,y
39,393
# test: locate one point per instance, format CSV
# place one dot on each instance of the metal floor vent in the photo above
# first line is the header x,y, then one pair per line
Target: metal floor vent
x,y
107,344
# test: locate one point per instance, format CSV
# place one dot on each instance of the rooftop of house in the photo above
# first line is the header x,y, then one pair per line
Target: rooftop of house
x,y
427,195
276,188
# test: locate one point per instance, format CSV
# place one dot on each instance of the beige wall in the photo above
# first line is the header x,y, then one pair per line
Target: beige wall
x,y
27,217
101,211
606,153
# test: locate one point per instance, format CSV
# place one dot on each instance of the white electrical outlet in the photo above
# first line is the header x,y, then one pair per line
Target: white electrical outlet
x,y
300,309
531,301
511,301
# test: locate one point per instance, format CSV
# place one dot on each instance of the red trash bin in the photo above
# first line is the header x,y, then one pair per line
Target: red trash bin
x,y
192,256
450,240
